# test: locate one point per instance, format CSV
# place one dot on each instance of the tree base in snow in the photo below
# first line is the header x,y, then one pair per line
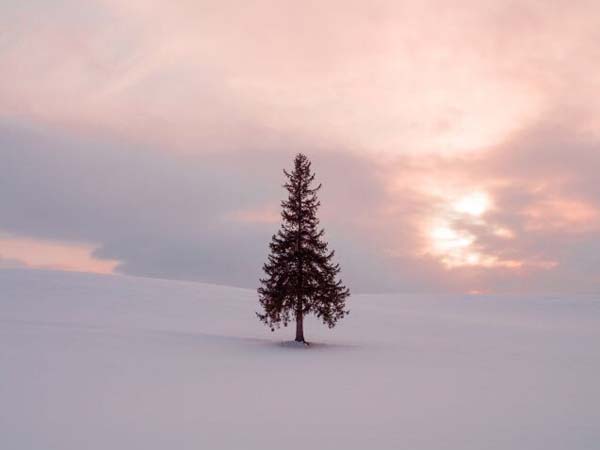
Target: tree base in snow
x,y
298,344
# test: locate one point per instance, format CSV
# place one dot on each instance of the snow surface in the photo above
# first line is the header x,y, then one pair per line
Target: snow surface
x,y
111,362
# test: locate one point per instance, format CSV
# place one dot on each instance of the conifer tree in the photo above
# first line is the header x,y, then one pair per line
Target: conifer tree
x,y
301,277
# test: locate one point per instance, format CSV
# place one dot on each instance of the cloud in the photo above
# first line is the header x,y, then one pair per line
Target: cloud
x,y
168,216
158,214
545,201
157,132
40,254
367,76
11,263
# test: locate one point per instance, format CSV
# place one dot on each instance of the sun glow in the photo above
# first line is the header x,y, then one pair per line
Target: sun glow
x,y
454,247
474,204
454,244
445,239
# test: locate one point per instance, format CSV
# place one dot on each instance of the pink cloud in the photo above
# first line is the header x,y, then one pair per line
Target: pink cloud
x,y
435,77
41,254
477,119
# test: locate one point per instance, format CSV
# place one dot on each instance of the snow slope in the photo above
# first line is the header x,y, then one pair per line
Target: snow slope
x,y
110,362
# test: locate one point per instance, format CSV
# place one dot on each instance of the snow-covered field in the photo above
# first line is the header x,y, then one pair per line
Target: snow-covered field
x,y
109,362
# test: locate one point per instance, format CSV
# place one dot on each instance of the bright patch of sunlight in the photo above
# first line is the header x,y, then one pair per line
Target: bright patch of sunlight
x,y
474,204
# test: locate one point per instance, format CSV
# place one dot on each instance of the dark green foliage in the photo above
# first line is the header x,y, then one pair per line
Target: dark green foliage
x,y
301,277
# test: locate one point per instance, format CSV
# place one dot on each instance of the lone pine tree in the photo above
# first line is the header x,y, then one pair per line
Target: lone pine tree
x,y
301,277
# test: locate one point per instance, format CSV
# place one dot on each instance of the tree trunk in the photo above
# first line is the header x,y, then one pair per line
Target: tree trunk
x,y
299,325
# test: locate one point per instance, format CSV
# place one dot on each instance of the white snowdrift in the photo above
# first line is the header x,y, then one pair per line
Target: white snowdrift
x,y
107,362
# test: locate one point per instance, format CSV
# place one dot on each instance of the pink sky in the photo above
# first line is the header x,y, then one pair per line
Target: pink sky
x,y
458,141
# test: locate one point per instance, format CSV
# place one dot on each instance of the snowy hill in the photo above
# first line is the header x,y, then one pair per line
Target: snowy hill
x,y
110,362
